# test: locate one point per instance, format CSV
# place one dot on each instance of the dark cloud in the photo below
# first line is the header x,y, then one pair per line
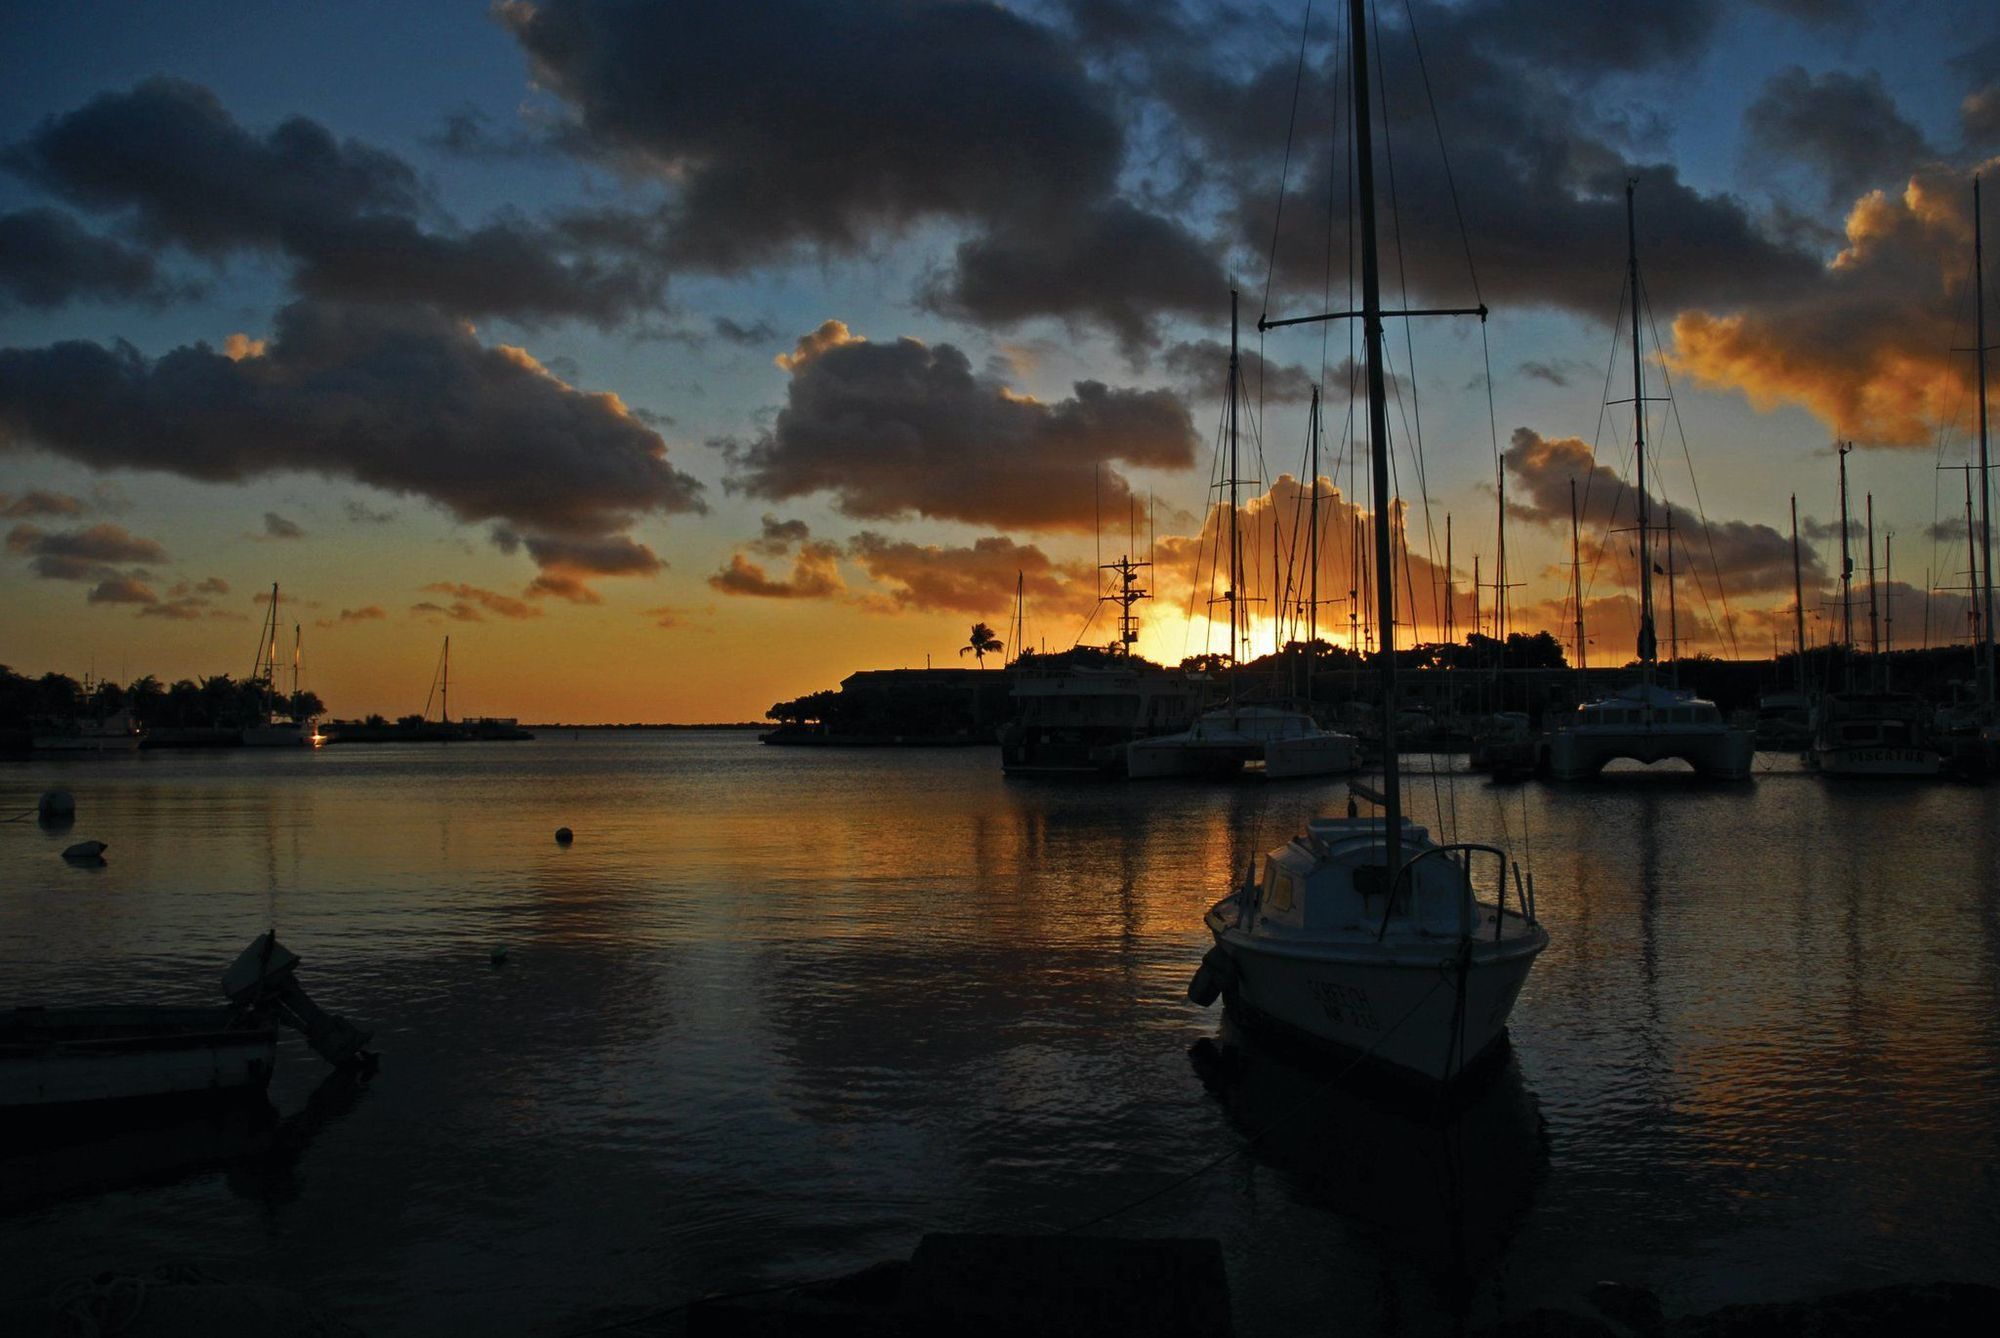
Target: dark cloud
x,y
1114,264
277,527
979,579
1200,368
400,399
815,575
891,429
40,503
1748,558
366,614
122,590
458,611
502,606
361,513
805,123
1556,372
1845,127
170,156
1979,118
81,555
48,260
779,535
747,336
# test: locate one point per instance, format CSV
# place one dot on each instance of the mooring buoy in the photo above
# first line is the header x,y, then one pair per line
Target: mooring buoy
x,y
564,836
56,807
86,852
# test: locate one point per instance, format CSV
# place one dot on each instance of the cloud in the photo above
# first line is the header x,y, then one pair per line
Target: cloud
x,y
458,611
569,564
745,335
979,579
81,555
168,155
186,608
277,527
401,399
361,513
1979,118
779,536
1844,126
47,260
39,503
501,606
815,575
1115,264
891,429
1200,369
122,590
1866,345
1556,372
671,615
1748,558
949,110
366,614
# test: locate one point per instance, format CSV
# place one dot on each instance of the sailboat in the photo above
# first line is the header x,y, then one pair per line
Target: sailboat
x,y
1279,741
1872,732
271,728
1646,721
1363,933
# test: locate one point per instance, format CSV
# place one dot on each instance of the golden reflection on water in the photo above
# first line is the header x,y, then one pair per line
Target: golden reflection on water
x,y
821,1001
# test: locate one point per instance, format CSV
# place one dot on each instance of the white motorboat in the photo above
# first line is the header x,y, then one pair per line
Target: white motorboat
x,y
1649,723
1422,981
277,731
1280,743
114,733
1364,933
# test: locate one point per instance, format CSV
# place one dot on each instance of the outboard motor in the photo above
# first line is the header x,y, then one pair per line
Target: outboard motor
x,y
264,980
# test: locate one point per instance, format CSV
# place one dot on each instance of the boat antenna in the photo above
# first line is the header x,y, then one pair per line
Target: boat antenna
x,y
1846,575
1648,640
1312,557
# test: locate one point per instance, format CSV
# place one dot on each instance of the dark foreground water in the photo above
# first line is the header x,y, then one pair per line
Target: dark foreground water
x,y
778,1012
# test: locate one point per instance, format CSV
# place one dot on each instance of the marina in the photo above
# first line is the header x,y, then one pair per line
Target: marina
x,y
1734,1061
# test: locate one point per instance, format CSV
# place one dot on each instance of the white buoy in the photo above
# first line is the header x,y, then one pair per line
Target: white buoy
x,y
86,852
56,806
564,836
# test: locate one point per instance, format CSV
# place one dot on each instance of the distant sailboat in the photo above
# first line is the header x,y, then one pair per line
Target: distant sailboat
x,y
271,728
1645,721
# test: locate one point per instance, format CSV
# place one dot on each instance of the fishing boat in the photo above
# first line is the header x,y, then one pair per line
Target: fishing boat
x,y
1646,722
56,1062
1364,933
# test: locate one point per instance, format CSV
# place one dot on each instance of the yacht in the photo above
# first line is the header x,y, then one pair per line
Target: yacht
x,y
1649,723
1364,933
1873,734
1279,743
1079,720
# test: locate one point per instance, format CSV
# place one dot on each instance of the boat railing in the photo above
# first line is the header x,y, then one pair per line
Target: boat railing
x,y
1523,891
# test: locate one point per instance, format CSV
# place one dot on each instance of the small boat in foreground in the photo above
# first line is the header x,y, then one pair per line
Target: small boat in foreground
x,y
55,1062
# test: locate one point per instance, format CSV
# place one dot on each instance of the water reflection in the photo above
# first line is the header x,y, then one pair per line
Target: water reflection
x,y
1440,1187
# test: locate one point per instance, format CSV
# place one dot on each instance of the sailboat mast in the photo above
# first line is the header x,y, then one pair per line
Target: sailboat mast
x,y
1798,600
1312,559
1576,579
1648,641
1972,564
444,691
295,660
1888,603
1378,431
1235,542
1846,568
1450,591
1874,612
1985,479
1673,606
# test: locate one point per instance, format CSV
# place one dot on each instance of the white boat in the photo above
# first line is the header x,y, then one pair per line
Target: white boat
x,y
1281,743
277,731
53,1058
1364,933
58,1061
1648,723
273,728
1873,734
114,733
1423,982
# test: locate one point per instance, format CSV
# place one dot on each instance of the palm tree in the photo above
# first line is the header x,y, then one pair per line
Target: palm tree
x,y
982,641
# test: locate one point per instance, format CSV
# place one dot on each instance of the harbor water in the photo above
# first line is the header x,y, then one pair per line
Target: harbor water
x,y
777,1013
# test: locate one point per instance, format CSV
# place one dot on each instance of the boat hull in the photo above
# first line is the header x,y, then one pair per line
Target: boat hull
x,y
275,736
1392,1009
1580,754
1888,762
56,1060
1315,755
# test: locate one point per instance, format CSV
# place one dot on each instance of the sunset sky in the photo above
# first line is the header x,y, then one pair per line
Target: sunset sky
x,y
677,359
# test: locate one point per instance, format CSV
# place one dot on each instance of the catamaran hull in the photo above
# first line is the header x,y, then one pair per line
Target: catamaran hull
x,y
1321,755
1579,754
1877,761
1393,1011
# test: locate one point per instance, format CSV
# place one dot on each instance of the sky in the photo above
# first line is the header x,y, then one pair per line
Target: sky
x,y
675,360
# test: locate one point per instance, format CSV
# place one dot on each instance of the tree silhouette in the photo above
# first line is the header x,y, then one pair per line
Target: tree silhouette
x,y
982,642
